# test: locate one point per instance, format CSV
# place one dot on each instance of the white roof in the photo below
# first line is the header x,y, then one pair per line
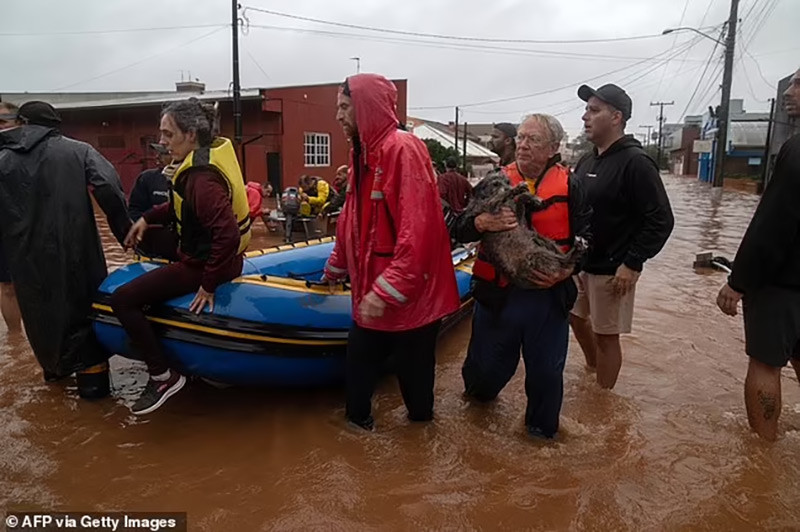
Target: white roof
x,y
425,131
748,134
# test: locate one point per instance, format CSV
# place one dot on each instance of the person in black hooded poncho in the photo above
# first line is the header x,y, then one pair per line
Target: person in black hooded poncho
x,y
48,232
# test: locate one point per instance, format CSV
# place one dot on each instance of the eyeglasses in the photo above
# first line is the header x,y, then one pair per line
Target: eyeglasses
x,y
533,139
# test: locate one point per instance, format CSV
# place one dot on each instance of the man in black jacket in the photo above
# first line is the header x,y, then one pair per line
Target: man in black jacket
x,y
151,188
766,277
51,241
631,222
507,317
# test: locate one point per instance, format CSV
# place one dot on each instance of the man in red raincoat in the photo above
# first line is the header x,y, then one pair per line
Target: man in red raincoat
x,y
392,241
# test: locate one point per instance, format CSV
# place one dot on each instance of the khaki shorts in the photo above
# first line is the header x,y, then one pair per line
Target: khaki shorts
x,y
610,314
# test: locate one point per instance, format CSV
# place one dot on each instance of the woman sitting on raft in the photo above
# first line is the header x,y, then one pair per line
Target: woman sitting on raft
x,y
208,206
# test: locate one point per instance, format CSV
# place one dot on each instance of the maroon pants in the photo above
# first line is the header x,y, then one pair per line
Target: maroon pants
x,y
157,286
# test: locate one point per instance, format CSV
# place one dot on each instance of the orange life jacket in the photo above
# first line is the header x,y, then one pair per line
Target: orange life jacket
x,y
551,222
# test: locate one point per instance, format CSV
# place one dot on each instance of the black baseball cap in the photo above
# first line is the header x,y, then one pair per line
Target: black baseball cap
x,y
508,129
612,95
39,114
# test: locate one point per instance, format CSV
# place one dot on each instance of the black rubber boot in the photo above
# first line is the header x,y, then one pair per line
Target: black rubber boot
x,y
94,382
51,377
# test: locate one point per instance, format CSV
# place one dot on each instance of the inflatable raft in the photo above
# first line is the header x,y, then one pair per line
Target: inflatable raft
x,y
272,326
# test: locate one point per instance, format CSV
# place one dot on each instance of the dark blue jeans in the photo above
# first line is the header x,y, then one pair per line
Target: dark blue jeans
x,y
536,321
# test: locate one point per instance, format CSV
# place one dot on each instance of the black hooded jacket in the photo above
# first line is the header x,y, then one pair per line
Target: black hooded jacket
x,y
50,238
769,254
631,215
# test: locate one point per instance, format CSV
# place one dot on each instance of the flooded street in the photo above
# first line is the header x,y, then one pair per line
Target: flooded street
x,y
668,449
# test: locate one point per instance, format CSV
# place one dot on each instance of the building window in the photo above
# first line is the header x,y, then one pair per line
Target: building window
x,y
317,149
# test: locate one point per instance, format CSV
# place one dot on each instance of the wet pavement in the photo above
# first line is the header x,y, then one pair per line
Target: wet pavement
x,y
668,449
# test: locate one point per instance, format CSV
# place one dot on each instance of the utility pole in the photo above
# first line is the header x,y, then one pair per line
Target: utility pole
x,y
660,126
456,129
358,64
237,89
724,108
647,139
765,162
464,163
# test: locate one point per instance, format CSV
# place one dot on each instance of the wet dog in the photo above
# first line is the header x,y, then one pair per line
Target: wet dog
x,y
521,251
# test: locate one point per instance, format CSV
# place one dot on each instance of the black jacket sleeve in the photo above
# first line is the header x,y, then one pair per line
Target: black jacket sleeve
x,y
650,204
580,215
107,190
775,224
338,201
139,202
463,230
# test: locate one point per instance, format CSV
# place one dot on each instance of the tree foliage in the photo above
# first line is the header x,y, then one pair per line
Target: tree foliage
x,y
440,153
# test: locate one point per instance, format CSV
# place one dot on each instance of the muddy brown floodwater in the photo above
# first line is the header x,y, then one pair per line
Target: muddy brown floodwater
x,y
668,449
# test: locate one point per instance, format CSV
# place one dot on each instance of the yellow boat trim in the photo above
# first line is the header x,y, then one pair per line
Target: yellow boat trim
x,y
292,285
285,247
295,285
229,334
255,252
466,266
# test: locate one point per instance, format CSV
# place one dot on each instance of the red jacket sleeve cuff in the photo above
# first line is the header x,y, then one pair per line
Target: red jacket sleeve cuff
x,y
388,293
333,272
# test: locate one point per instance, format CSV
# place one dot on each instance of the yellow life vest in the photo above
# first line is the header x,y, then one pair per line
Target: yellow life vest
x,y
221,157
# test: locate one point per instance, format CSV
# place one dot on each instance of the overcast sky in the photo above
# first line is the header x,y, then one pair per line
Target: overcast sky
x,y
441,73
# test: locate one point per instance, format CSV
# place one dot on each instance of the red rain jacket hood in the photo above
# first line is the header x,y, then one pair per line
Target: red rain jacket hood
x,y
391,236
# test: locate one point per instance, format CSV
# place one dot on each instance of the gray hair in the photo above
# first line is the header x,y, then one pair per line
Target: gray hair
x,y
553,126
9,107
193,115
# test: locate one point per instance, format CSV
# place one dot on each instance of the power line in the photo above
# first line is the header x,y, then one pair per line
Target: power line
x,y
549,91
683,60
100,32
700,79
442,36
572,99
750,85
135,63
760,73
749,11
657,66
674,42
764,14
258,65
661,120
453,46
747,75
713,86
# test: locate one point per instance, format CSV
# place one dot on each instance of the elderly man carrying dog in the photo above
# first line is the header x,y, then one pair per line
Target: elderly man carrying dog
x,y
508,317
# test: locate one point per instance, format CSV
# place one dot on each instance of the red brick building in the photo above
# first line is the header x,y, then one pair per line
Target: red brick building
x,y
682,158
286,131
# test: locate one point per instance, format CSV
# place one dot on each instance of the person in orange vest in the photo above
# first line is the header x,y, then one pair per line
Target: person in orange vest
x,y
508,317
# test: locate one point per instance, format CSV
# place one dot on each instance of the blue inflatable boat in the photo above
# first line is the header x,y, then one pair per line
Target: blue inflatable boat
x,y
272,326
